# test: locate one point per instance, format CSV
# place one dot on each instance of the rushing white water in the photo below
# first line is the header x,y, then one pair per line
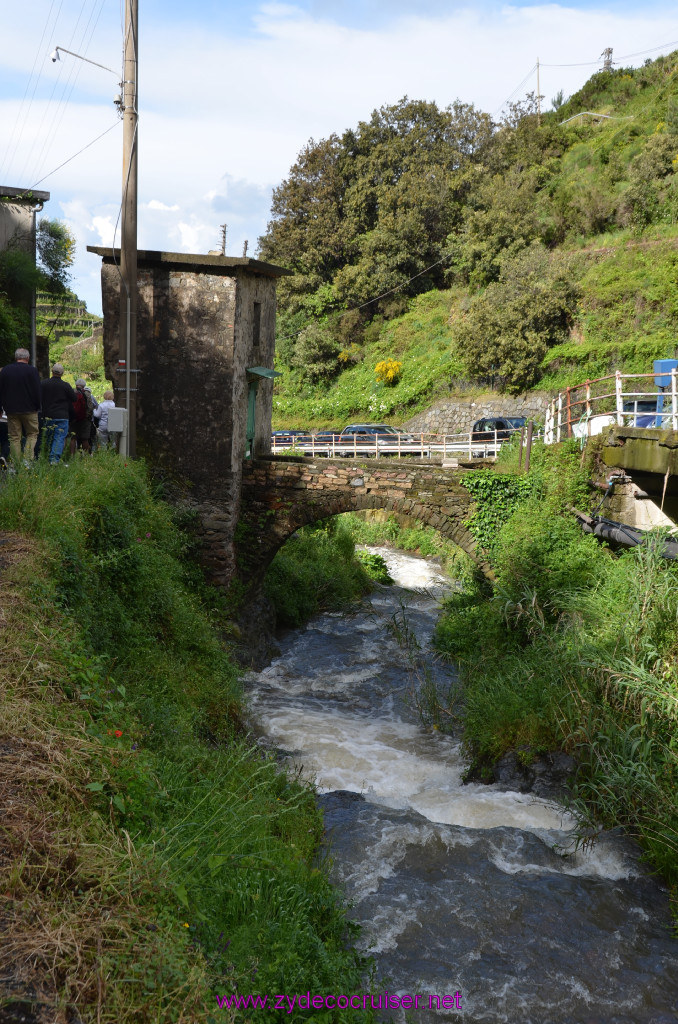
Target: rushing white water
x,y
465,885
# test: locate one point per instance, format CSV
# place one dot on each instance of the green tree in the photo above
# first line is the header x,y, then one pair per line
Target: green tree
x,y
509,327
369,210
55,254
316,353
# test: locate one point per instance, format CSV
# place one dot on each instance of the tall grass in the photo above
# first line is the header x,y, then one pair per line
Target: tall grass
x,y
574,647
189,853
316,570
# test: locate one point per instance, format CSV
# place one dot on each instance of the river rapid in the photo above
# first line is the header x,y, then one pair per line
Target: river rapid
x,y
466,889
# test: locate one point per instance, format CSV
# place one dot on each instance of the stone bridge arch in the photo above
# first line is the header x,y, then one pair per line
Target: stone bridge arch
x,y
281,495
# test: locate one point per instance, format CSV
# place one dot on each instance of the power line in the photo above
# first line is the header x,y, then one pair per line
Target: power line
x,y
517,89
625,56
50,173
12,146
61,110
391,291
27,162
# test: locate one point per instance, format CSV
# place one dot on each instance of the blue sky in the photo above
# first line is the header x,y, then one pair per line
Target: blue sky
x,y
230,92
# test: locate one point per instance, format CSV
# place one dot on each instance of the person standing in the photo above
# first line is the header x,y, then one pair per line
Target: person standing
x,y
92,406
20,398
101,417
83,407
57,405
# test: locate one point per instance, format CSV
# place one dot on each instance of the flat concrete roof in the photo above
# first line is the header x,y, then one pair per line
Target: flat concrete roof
x,y
28,195
214,264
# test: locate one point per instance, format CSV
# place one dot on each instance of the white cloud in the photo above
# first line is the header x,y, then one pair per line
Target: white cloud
x,y
104,227
155,204
194,237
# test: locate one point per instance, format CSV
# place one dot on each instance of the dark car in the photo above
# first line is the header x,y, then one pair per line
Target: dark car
x,y
326,436
289,438
373,433
499,427
645,414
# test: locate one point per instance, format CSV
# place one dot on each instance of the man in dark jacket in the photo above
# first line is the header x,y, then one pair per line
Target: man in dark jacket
x,y
20,398
57,408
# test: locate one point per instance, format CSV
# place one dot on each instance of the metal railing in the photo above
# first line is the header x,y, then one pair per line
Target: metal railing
x,y
415,445
587,409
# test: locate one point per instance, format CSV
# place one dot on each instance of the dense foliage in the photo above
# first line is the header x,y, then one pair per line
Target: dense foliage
x,y
21,275
571,647
555,235
316,569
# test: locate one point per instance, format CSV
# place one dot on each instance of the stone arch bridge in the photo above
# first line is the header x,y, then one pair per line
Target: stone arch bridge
x,y
281,495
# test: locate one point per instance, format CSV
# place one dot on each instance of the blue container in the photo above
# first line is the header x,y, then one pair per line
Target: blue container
x,y
662,369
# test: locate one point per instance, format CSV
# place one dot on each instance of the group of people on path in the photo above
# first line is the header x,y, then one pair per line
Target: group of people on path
x,y
51,408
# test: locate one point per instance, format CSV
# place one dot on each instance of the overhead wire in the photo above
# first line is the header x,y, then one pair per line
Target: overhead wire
x,y
447,256
15,136
624,56
55,169
83,45
517,89
48,106
351,309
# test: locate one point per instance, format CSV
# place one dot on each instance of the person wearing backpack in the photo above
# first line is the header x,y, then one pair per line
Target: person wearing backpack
x,y
81,424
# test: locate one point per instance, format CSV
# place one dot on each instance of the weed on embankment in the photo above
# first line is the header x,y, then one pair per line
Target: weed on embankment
x,y
150,856
315,570
572,647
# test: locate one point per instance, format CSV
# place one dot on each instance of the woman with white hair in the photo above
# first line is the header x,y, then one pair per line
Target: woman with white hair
x,y
101,418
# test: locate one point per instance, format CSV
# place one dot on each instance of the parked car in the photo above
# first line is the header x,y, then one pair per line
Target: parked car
x,y
289,438
371,433
327,436
645,413
501,427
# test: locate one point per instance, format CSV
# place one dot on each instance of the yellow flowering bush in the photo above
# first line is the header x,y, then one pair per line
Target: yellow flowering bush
x,y
388,371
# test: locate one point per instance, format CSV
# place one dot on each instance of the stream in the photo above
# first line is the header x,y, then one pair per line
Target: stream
x,y
467,889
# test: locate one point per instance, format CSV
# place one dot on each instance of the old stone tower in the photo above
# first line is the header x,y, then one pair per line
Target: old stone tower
x,y
205,345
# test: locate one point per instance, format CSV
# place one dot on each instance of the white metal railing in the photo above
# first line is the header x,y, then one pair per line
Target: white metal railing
x,y
419,444
620,399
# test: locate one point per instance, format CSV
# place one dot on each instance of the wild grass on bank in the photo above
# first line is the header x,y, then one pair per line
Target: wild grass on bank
x,y
317,569
574,647
152,857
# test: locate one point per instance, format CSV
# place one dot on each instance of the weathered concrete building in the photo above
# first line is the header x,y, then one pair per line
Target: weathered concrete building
x,y
18,208
205,347
17,217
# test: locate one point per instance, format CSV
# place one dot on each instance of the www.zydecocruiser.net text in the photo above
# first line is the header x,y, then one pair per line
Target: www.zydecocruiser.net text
x,y
381,1001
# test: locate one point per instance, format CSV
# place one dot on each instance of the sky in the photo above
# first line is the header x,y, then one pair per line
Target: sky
x,y
230,92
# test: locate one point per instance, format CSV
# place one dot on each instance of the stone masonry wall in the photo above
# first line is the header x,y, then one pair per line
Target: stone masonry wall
x,y
194,344
185,358
457,415
279,496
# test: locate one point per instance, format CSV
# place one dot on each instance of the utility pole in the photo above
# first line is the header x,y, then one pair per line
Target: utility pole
x,y
244,248
128,232
223,239
607,58
538,97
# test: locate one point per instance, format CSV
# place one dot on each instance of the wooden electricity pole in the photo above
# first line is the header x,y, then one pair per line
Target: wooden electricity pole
x,y
128,231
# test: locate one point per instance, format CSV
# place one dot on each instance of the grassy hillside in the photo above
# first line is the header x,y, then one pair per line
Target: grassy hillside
x,y
421,340
561,264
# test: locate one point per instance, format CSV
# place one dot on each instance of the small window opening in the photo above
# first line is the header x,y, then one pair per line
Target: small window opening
x,y
256,324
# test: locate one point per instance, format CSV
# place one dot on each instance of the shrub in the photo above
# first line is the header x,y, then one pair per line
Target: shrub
x,y
388,371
